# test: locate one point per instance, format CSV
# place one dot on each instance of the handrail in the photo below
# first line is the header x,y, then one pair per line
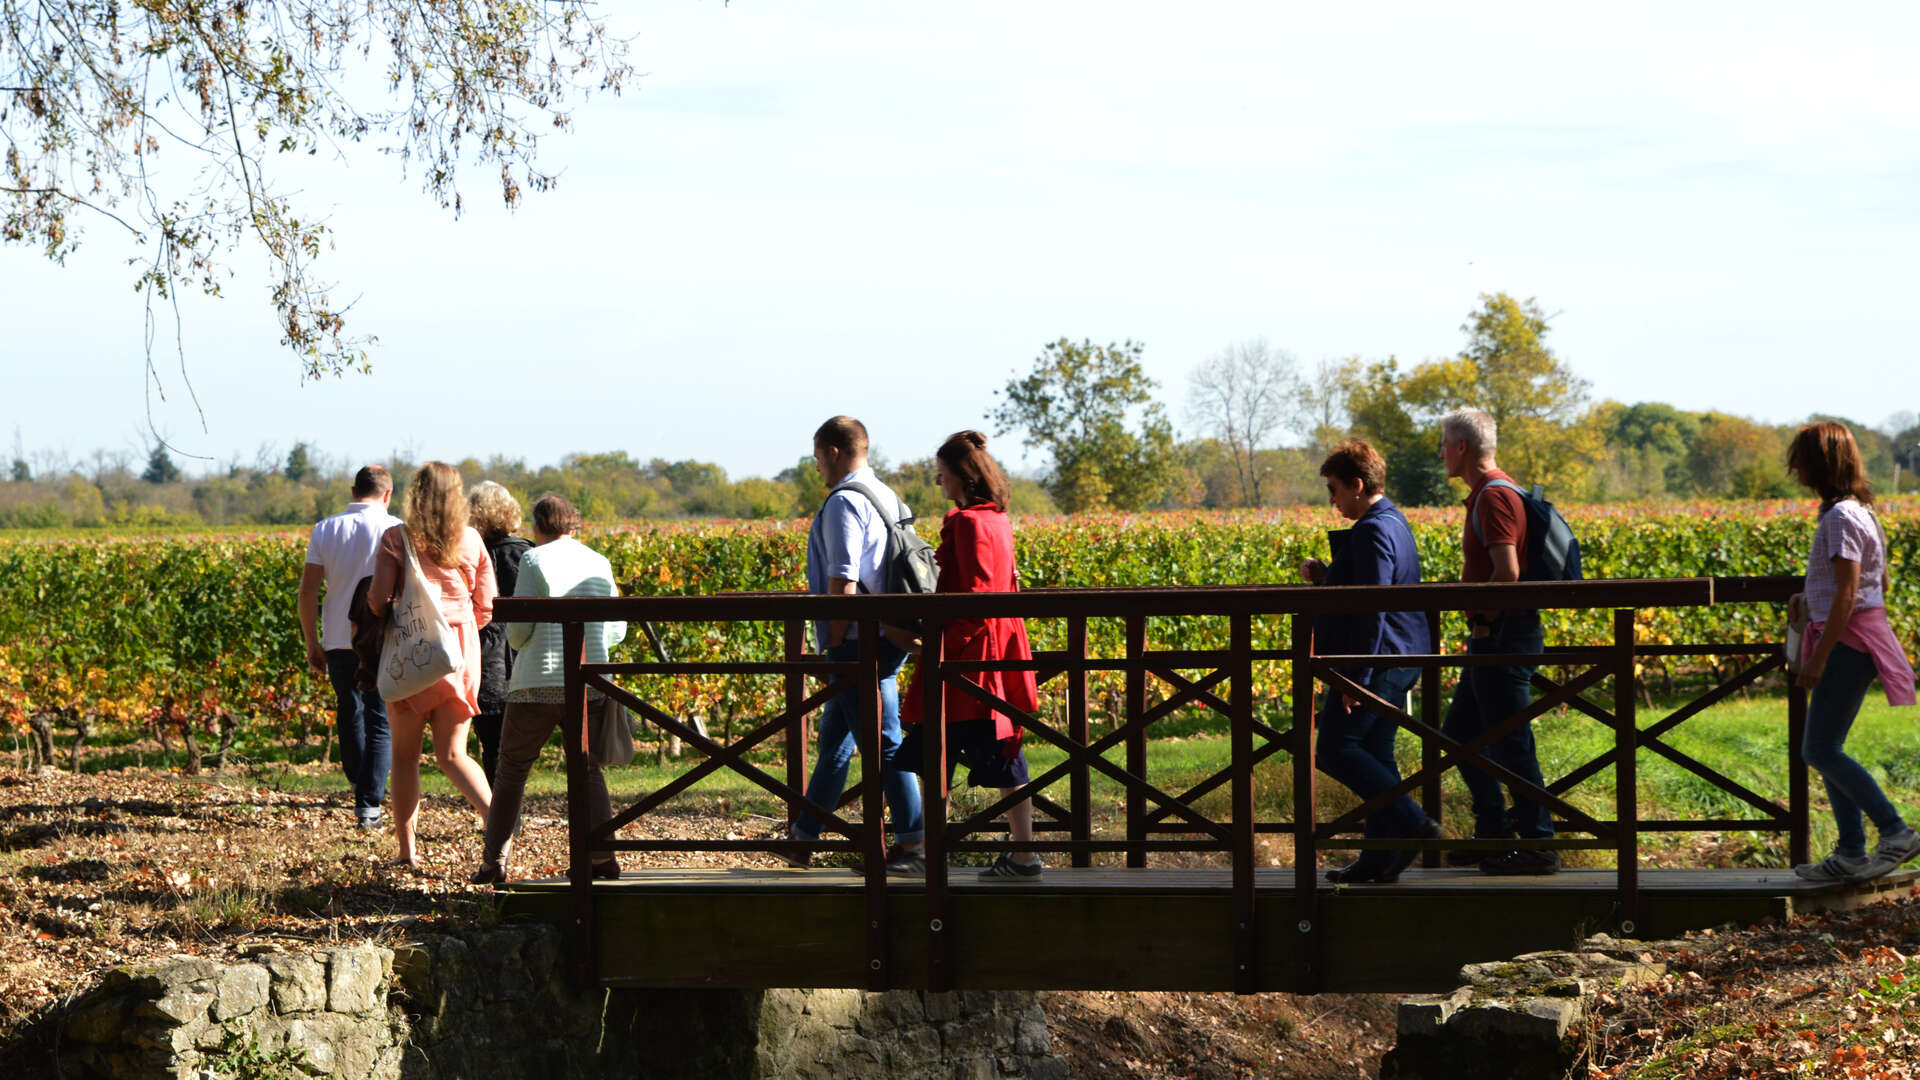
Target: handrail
x,y
1228,689
1103,603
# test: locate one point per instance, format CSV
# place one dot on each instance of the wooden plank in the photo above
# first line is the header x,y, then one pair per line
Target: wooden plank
x,y
1199,880
1118,929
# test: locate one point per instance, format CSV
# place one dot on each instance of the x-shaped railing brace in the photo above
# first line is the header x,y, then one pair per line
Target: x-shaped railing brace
x,y
1090,755
718,757
1649,737
1454,751
1189,690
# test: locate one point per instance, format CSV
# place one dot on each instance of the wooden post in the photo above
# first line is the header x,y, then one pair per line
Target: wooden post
x,y
1305,865
873,810
933,787
1431,713
1079,786
795,641
1799,806
1626,734
1246,974
1137,740
573,737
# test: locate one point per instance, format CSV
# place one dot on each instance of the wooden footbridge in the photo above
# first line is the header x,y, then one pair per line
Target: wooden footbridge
x,y
1231,922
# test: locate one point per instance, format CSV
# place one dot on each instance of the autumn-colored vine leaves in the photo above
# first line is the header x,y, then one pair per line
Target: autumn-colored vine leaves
x,y
191,631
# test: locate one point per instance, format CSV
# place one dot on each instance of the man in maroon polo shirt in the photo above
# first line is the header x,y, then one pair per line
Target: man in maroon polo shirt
x,y
1494,548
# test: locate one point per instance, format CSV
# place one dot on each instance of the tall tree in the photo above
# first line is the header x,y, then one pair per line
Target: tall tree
x,y
1733,456
160,467
1244,395
93,91
1534,396
1410,443
1076,403
1323,416
299,463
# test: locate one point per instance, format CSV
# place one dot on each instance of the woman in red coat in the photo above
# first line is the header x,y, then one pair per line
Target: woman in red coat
x,y
976,555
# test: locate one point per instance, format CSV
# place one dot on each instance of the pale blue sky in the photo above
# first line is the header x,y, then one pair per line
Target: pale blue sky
x,y
887,209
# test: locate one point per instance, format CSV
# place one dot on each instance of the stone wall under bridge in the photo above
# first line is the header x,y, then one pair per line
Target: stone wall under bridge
x,y
497,1004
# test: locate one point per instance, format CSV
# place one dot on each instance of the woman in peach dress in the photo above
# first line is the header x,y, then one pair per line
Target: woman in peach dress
x,y
454,560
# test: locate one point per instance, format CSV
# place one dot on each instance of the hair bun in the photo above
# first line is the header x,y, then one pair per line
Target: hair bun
x,y
978,440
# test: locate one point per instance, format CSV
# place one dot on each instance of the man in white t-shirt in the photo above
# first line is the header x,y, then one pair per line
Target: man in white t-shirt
x,y
340,553
846,553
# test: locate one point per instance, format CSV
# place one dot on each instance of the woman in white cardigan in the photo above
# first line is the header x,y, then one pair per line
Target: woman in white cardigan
x,y
558,565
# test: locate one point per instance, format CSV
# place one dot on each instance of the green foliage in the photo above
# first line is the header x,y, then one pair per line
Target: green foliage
x,y
1506,369
299,463
192,630
241,1057
160,467
1409,442
1735,456
1076,403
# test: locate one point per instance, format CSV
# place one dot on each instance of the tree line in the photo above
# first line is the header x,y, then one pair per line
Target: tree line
x,y
1259,424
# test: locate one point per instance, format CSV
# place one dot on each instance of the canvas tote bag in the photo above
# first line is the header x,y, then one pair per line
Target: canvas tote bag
x,y
421,647
611,741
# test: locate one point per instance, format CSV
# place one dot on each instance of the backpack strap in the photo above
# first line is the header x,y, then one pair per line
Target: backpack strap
x,y
1474,518
871,497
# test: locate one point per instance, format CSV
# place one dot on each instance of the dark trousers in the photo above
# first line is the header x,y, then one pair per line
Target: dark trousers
x,y
1486,698
1356,748
1831,710
366,746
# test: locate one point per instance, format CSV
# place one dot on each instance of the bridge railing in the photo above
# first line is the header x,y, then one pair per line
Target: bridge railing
x,y
1219,678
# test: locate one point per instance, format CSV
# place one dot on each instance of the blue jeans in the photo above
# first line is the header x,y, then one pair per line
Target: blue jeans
x,y
1486,697
1831,710
1356,748
839,741
366,747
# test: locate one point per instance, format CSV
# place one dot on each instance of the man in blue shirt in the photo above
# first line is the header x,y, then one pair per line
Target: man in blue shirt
x,y
846,553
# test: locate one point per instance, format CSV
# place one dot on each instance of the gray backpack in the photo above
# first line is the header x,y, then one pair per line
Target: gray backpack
x,y
909,562
1553,552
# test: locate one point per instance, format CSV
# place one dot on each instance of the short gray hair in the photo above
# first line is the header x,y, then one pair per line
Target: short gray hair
x,y
1473,427
492,509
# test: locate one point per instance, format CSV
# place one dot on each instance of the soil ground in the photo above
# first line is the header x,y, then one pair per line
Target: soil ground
x,y
98,869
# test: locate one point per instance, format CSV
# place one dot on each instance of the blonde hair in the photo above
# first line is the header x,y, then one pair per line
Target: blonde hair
x,y
493,509
437,513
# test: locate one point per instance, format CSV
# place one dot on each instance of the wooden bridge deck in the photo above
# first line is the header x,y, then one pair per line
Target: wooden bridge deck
x,y
1135,929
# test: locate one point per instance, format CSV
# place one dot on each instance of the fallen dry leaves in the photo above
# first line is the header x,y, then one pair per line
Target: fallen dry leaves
x,y
1830,994
100,869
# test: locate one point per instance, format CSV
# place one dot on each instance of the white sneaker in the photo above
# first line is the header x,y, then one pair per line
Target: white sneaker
x,y
1892,852
1835,867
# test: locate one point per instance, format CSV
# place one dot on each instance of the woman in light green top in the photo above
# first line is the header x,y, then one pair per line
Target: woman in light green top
x,y
558,565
